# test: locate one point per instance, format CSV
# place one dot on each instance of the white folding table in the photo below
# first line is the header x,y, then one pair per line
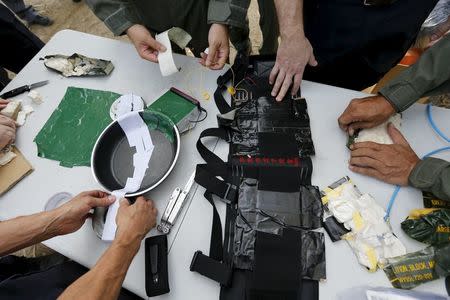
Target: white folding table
x,y
193,229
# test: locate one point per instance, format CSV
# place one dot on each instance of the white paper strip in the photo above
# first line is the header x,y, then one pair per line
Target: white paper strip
x,y
138,136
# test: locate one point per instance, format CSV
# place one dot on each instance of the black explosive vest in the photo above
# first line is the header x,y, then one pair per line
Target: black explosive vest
x,y
271,249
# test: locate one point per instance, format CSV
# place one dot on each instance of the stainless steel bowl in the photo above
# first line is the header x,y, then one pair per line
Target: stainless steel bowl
x,y
112,158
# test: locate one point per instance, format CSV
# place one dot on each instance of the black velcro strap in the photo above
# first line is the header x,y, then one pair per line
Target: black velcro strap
x,y
211,268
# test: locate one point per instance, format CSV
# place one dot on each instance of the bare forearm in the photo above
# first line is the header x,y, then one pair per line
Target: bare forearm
x,y
105,279
290,16
21,232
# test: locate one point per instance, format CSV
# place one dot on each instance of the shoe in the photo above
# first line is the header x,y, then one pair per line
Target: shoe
x,y
41,20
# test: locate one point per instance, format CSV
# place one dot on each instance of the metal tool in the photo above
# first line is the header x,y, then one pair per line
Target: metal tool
x,y
174,207
22,89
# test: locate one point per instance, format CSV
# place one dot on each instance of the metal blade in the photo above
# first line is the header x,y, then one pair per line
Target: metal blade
x,y
38,84
189,184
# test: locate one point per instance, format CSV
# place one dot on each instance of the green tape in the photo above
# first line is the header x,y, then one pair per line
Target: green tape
x,y
173,105
69,135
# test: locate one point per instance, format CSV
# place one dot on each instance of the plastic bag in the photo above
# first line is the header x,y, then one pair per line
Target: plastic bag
x,y
430,226
369,236
410,270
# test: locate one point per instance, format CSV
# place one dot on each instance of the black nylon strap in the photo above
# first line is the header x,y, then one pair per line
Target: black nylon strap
x,y
239,68
221,103
207,177
208,155
216,246
212,266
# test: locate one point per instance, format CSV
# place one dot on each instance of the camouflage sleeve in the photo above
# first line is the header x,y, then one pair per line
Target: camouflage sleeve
x,y
229,12
118,15
432,175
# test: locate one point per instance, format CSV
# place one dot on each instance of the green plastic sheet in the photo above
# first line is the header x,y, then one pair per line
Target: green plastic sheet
x,y
69,135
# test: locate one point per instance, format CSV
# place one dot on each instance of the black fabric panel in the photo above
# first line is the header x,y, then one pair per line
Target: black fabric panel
x,y
275,144
239,288
278,255
279,179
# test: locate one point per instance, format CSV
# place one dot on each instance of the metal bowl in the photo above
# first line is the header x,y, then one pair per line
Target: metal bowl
x,y
112,158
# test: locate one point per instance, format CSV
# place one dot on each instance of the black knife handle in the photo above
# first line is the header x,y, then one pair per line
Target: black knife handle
x,y
15,92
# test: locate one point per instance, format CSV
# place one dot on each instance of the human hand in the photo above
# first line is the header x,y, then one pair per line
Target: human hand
x,y
146,46
3,103
71,216
134,221
219,47
293,54
365,112
389,163
7,131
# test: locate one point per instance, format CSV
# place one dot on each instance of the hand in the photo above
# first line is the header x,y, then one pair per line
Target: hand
x,y
365,112
134,221
389,163
72,215
293,54
3,103
146,46
219,48
7,131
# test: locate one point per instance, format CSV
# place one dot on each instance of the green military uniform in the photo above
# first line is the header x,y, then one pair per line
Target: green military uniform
x,y
194,16
430,75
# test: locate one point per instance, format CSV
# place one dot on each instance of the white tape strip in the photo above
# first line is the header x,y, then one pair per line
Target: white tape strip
x,y
165,59
138,136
